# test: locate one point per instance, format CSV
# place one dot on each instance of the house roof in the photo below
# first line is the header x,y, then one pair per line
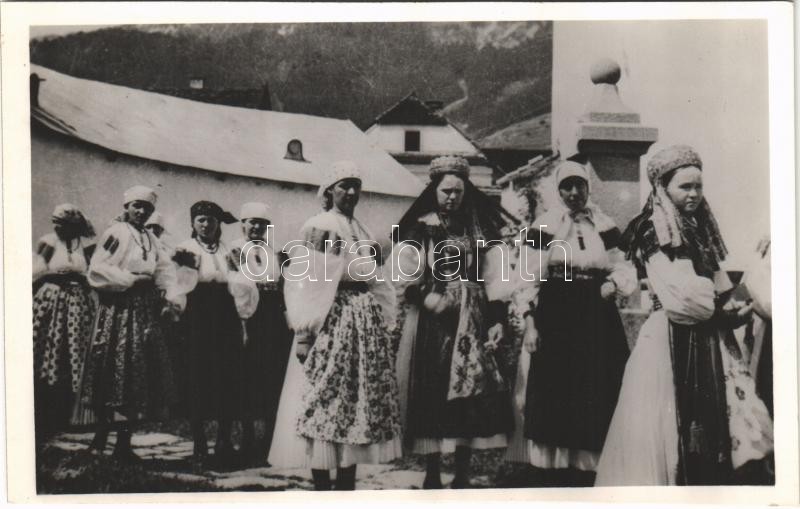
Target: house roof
x,y
218,138
530,134
410,110
535,166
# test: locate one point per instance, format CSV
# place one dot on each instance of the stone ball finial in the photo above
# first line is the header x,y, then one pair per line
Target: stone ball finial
x,y
605,70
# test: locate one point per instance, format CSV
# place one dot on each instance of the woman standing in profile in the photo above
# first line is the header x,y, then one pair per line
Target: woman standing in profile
x,y
342,316
688,413
446,251
217,298
127,376
573,331
63,316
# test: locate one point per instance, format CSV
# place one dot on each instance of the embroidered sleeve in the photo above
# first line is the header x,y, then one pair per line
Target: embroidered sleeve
x,y
106,271
611,238
41,258
323,240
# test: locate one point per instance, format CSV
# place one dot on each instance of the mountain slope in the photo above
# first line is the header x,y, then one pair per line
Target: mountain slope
x,y
489,75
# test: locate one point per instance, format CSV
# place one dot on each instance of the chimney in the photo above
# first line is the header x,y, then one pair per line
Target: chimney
x,y
266,99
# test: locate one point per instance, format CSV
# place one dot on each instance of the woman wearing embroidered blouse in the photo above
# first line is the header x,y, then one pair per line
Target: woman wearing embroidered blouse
x,y
348,413
457,394
127,376
63,316
573,331
217,298
687,412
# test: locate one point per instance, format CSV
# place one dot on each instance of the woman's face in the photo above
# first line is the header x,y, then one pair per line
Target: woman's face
x,y
345,194
254,228
206,227
574,192
685,189
138,211
450,193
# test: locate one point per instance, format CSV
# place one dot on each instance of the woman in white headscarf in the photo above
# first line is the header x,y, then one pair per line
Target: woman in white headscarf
x,y
342,316
268,336
688,413
63,315
127,376
573,331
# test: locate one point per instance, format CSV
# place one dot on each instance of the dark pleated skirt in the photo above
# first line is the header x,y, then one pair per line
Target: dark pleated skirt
x,y
576,374
430,413
266,356
704,442
212,354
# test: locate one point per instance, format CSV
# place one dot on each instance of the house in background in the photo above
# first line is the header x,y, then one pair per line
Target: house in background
x,y
90,141
514,146
414,134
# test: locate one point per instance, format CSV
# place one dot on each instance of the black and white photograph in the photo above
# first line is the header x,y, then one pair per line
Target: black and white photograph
x,y
515,254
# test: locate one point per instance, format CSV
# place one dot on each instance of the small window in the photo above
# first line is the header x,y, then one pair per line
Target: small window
x,y
412,141
197,83
294,151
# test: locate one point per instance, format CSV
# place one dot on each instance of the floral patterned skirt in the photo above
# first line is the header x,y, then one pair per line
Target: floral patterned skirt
x,y
351,390
128,371
63,317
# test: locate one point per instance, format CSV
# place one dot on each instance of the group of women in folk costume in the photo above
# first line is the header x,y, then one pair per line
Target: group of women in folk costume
x,y
112,367
681,408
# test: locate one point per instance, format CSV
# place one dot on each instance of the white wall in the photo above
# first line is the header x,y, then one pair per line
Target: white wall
x,y
64,170
433,139
703,83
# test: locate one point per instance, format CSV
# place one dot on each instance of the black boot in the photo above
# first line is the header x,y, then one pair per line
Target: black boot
x,y
123,451
223,449
100,439
346,478
322,480
200,454
461,479
433,475
248,450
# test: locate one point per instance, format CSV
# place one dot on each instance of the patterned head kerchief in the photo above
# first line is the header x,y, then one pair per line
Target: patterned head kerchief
x,y
454,165
671,229
209,208
672,158
339,170
69,216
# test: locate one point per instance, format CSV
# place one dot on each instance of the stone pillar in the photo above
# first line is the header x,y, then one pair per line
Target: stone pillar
x,y
612,140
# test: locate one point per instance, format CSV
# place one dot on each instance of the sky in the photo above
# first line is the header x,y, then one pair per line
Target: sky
x,y
701,83
44,31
